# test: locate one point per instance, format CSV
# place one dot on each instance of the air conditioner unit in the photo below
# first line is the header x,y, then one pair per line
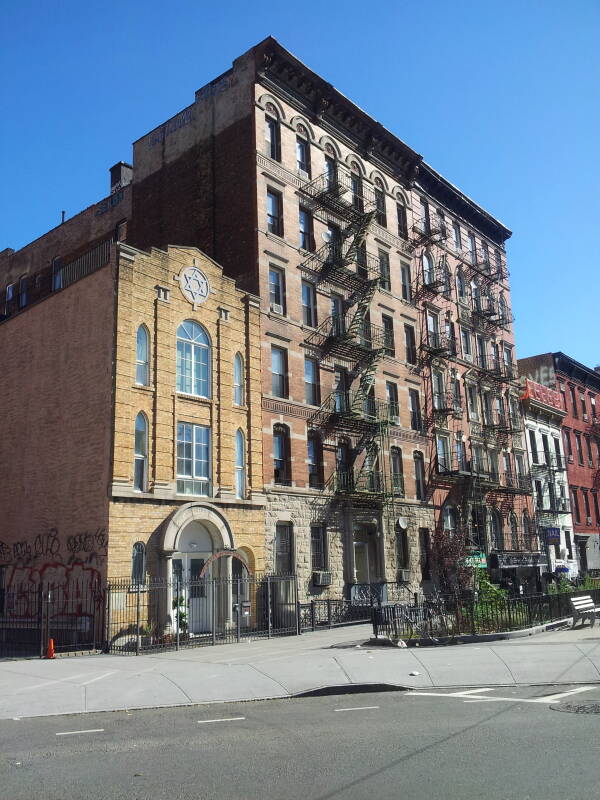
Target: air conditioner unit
x,y
276,308
321,578
588,521
570,459
585,417
403,576
590,463
303,174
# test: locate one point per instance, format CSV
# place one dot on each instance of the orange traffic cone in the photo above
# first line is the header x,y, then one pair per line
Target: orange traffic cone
x,y
50,650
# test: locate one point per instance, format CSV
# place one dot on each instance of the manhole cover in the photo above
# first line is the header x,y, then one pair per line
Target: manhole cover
x,y
577,708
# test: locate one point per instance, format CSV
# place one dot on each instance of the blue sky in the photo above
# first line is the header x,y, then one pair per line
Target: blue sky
x,y
502,98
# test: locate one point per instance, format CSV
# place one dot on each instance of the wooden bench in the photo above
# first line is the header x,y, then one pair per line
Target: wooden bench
x,y
584,608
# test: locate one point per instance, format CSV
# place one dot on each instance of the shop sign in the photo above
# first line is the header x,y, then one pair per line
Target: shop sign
x,y
518,560
552,535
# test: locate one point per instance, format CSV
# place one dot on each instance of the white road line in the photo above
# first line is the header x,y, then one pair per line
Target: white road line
x,y
553,698
225,719
356,708
99,678
470,691
50,683
74,733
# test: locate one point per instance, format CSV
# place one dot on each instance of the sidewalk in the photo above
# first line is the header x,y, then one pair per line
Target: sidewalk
x,y
286,667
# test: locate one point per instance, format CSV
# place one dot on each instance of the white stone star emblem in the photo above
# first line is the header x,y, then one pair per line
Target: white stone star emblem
x,y
194,285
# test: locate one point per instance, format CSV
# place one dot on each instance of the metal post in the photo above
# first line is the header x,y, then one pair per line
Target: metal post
x,y
41,618
473,602
107,622
237,610
329,612
137,620
177,596
213,612
298,631
312,615
269,622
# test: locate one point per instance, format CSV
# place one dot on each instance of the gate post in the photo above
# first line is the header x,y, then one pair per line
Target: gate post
x,y
41,618
107,620
177,596
137,620
269,622
237,609
213,612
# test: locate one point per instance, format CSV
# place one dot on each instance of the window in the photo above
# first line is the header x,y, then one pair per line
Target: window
x,y
478,464
314,450
461,288
583,405
596,508
573,401
419,475
493,462
402,221
485,256
305,223
283,548
471,247
428,269
238,380
356,188
423,223
193,459
514,532
140,469
593,405
499,270
533,447
57,278
425,553
281,455
465,340
568,445
415,410
309,304
576,506
472,403
557,453
449,520
23,284
586,505
318,547
388,335
481,352
461,455
443,453
272,138
397,471
578,447
439,390
240,464
406,288
456,396
402,551
274,212
539,495
138,564
391,390
10,293
193,359
456,237
563,391
279,375
496,530
442,223
380,214
588,445
384,270
410,344
142,361
311,381
276,290
330,171
303,155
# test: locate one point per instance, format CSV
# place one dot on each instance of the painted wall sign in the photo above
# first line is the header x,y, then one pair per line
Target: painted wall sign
x,y
180,121
543,394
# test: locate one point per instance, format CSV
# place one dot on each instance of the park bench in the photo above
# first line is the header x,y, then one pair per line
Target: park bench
x,y
584,608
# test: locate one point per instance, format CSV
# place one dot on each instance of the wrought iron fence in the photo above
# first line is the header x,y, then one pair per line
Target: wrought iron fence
x,y
71,613
446,616
161,615
331,613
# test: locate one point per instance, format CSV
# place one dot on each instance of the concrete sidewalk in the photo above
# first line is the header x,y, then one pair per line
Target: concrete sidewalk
x,y
286,667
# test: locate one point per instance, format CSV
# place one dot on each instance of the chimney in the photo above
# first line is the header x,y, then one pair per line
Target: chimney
x,y
120,176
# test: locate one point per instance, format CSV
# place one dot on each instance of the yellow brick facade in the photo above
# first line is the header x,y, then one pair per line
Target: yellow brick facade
x,y
149,293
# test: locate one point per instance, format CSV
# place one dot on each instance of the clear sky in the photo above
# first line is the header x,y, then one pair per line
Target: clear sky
x,y
500,96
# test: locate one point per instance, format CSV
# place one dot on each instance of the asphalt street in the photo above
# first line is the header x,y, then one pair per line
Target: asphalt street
x,y
488,742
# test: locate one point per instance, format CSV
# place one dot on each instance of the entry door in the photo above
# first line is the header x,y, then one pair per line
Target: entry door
x,y
195,609
365,559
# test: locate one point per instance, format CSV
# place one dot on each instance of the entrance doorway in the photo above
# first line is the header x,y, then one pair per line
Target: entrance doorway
x,y
194,604
366,566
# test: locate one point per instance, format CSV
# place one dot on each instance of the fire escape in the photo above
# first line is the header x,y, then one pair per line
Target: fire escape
x,y
548,505
353,424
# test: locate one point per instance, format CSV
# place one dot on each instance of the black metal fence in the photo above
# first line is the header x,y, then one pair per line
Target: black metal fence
x,y
331,613
453,616
161,615
71,614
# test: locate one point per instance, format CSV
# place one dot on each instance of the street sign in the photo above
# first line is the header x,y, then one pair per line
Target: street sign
x,y
476,560
552,535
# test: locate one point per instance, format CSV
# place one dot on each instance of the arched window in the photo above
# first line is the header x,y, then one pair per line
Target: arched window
x,y
281,455
402,552
397,471
272,133
476,295
142,357
449,520
138,563
504,319
238,380
447,276
461,289
514,532
193,359
315,459
402,218
428,269
240,465
419,475
380,211
140,470
356,187
497,530
302,151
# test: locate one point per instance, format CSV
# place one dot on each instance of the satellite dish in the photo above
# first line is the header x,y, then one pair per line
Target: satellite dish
x,y
327,236
402,522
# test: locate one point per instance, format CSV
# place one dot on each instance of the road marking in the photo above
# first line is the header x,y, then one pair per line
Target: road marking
x,y
356,708
99,678
470,691
470,697
553,698
225,719
74,733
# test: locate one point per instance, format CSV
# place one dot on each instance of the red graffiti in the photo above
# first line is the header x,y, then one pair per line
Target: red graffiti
x,y
73,590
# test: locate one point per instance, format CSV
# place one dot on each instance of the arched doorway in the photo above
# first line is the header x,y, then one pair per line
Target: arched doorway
x,y
195,547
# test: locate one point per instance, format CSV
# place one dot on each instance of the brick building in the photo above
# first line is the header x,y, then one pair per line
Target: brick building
x,y
132,439
387,347
579,389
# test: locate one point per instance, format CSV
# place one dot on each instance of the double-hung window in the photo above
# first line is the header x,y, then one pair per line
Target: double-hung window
x,y
193,459
410,344
303,156
465,339
415,410
238,380
384,270
142,361
279,378
406,287
8,298
274,212
272,138
284,548
456,237
309,304
318,547
140,470
193,359
240,464
305,224
388,335
380,212
276,290
402,221
392,399
419,475
311,381
23,286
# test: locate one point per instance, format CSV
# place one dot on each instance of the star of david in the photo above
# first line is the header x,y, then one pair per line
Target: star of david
x,y
195,285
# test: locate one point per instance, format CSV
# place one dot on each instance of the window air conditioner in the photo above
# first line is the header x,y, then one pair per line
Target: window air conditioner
x,y
588,521
570,459
585,417
403,576
276,308
321,578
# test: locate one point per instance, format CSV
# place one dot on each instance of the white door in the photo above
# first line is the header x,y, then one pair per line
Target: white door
x,y
195,598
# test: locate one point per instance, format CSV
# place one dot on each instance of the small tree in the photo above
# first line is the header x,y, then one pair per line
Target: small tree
x,y
448,553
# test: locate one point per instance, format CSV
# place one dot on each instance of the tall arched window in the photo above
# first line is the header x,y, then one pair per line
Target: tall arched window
x,y
142,357
503,311
476,295
428,268
315,458
193,359
461,289
272,133
281,455
238,380
397,471
497,530
138,563
419,463
140,470
514,532
240,465
356,187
